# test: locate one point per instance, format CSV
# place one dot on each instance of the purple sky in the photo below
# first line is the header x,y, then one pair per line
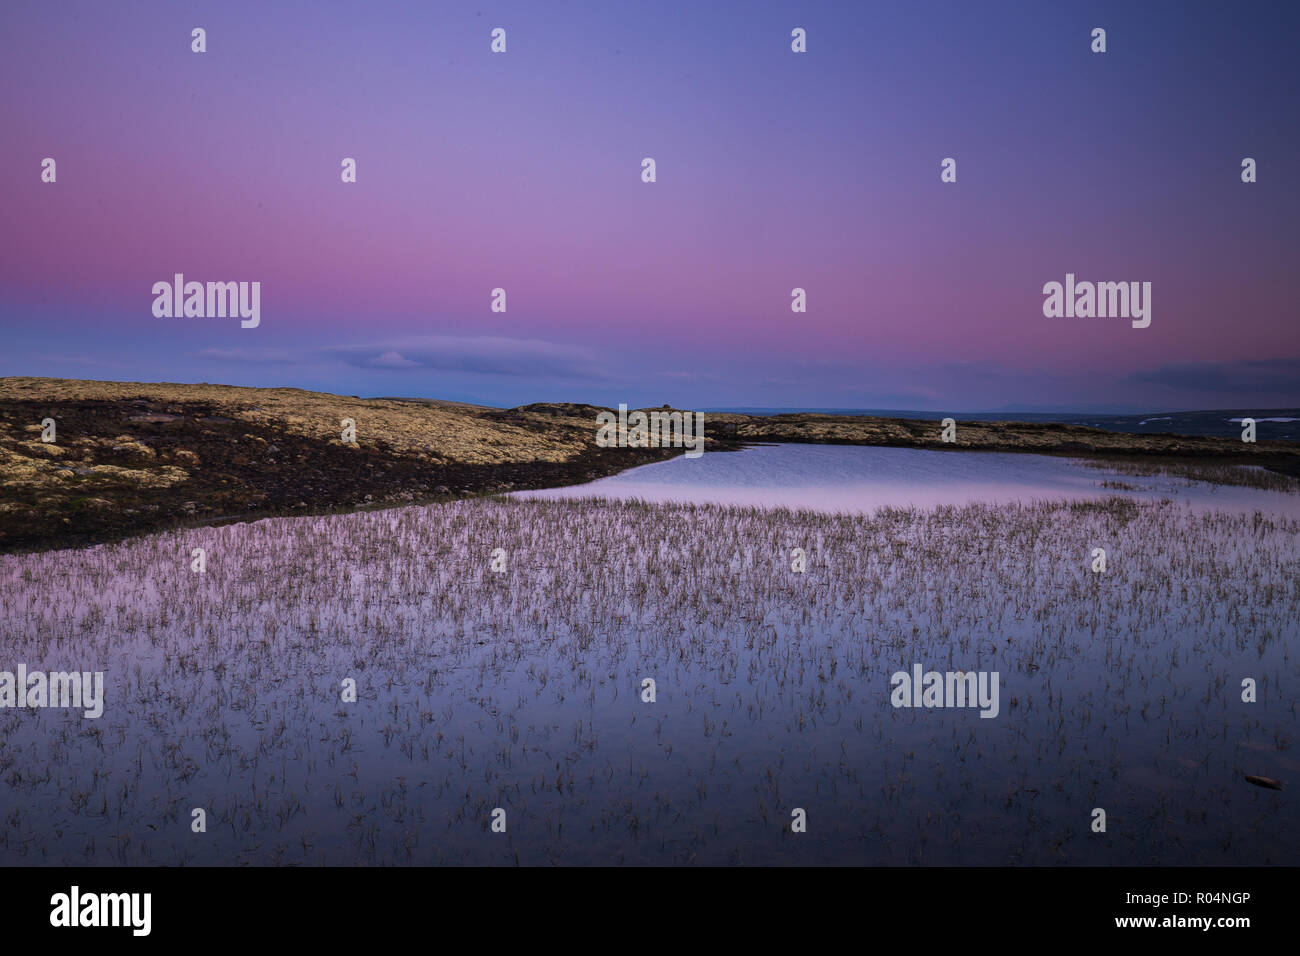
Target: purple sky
x,y
775,170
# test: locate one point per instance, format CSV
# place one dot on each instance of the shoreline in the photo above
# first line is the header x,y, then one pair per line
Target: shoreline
x,y
135,458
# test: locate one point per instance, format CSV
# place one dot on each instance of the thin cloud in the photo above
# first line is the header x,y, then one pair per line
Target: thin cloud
x,y
392,359
482,355
252,356
1251,376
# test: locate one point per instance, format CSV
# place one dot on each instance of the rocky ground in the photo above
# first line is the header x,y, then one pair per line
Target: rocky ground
x,y
132,458
129,458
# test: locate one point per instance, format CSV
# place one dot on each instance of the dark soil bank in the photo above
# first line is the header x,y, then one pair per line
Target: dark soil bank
x,y
100,489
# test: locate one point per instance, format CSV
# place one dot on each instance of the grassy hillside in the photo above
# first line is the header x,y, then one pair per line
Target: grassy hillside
x,y
132,457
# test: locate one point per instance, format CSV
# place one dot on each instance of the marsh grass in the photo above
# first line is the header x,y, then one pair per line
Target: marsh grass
x,y
1217,473
521,689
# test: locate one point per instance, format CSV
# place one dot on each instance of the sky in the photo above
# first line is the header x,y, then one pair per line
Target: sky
x,y
775,170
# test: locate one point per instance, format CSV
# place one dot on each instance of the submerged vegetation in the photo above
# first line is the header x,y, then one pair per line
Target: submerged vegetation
x,y
1218,473
522,689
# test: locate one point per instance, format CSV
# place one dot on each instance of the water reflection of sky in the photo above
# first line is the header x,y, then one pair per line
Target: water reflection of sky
x,y
862,478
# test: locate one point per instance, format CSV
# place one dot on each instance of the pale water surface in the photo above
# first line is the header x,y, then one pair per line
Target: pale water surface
x,y
859,478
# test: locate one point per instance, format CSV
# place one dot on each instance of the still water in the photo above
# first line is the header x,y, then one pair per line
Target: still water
x,y
524,689
858,478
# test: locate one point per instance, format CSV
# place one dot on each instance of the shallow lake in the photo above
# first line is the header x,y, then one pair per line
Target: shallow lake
x,y
521,686
860,478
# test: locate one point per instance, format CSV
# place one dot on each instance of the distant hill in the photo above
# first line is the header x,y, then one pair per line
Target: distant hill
x,y
1274,424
